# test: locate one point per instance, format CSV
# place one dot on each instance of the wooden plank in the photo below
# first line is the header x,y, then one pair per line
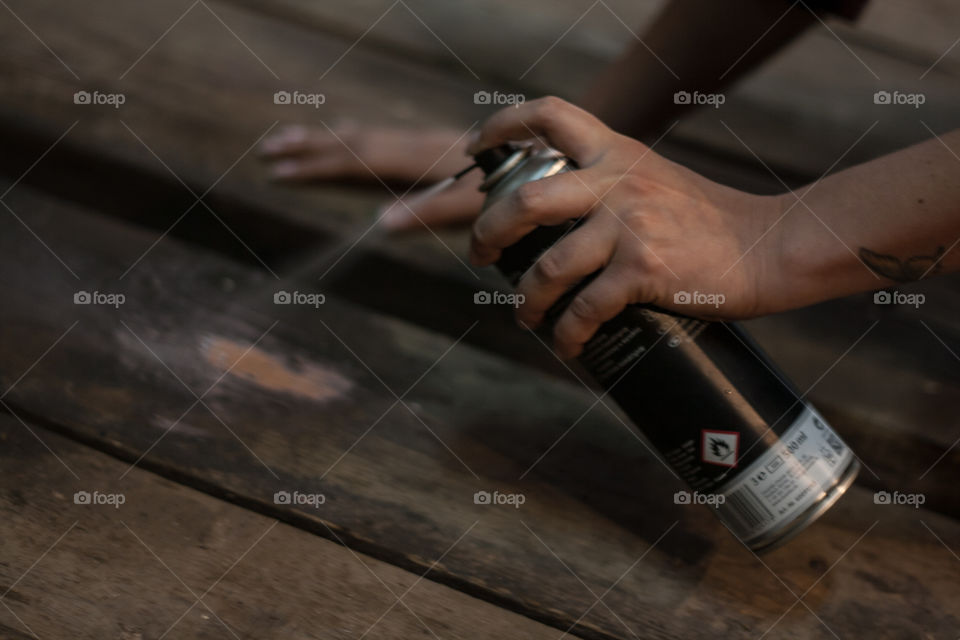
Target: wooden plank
x,y
161,558
303,411
921,31
216,105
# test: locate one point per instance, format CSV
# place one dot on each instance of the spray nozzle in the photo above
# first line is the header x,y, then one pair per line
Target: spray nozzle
x,y
490,160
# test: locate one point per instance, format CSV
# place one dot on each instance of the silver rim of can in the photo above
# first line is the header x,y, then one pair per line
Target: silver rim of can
x,y
508,165
777,537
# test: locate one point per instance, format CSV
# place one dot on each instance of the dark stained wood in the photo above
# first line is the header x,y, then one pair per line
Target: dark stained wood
x,y
594,505
137,569
200,113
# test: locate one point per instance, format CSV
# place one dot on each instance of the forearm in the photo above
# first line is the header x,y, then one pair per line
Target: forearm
x,y
699,45
894,219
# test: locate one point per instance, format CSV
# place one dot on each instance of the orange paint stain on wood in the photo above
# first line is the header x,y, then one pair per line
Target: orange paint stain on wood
x,y
268,371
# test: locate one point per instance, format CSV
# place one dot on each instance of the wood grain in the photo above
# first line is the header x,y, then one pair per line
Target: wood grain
x,y
598,517
164,560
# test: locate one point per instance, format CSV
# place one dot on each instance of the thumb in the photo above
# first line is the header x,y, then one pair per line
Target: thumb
x,y
457,204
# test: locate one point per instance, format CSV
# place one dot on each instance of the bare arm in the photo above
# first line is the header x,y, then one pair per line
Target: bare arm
x,y
893,219
693,45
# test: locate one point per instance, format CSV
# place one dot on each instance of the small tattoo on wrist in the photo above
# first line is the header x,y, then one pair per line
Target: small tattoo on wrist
x,y
910,270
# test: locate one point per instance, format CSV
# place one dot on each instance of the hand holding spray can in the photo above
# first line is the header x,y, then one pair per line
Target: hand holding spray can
x,y
712,403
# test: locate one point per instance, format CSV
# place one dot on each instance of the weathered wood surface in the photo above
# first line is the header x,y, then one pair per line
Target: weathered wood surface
x,y
284,416
171,561
199,100
888,376
216,106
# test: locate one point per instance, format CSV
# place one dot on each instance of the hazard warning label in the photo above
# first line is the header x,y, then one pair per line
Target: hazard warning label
x,y
720,447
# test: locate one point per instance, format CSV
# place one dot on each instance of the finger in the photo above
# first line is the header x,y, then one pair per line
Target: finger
x,y
294,140
605,297
311,167
577,255
563,126
547,201
458,204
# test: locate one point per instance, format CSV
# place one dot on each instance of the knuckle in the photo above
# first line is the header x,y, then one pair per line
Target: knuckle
x,y
528,197
478,236
585,308
636,258
551,103
567,334
635,186
550,108
635,218
550,266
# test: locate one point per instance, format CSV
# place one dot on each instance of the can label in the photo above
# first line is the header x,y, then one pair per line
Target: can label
x,y
786,480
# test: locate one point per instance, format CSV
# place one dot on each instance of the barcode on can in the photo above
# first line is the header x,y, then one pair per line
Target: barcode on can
x,y
744,513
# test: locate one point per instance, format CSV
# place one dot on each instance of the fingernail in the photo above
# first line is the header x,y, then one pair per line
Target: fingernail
x,y
472,140
293,133
284,169
272,144
394,216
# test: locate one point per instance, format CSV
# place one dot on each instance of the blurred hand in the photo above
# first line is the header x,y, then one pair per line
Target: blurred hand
x,y
652,228
310,154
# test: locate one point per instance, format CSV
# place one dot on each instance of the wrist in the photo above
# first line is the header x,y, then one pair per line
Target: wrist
x,y
808,257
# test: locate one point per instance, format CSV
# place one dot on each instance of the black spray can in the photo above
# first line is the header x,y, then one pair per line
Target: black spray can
x,y
703,393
